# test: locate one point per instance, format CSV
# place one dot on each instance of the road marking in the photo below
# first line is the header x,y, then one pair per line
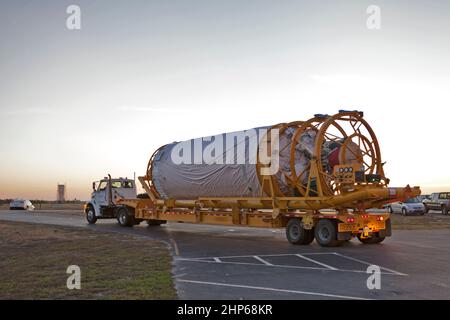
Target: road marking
x,y
263,261
175,246
252,264
318,253
303,256
369,264
284,266
317,262
271,255
274,289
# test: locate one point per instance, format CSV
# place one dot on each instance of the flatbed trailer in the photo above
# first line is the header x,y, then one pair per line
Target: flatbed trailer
x,y
346,225
333,198
328,227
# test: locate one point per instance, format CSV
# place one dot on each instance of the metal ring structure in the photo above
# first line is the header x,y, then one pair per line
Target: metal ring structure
x,y
353,129
347,130
274,189
149,177
297,177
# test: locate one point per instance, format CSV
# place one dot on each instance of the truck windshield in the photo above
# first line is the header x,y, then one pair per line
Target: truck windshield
x,y
122,184
127,184
102,185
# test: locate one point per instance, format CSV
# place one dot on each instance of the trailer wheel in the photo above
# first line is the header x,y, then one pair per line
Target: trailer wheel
x,y
326,233
124,219
90,215
296,234
371,240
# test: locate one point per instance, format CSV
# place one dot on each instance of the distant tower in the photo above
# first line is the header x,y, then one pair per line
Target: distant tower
x,y
61,193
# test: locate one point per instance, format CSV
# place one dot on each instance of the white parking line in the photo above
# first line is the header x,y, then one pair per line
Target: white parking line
x,y
274,289
316,262
271,255
283,266
369,264
263,261
175,246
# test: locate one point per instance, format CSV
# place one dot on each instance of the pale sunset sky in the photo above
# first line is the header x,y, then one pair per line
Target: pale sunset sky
x,y
78,104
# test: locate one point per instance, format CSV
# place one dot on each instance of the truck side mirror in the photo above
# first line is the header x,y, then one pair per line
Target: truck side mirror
x,y
93,186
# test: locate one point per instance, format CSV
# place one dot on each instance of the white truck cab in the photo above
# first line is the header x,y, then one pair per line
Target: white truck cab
x,y
104,195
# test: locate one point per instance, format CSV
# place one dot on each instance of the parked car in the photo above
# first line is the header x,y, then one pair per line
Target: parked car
x,y
410,206
424,198
20,204
439,201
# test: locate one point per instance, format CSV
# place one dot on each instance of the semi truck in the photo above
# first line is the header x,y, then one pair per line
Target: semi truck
x,y
323,183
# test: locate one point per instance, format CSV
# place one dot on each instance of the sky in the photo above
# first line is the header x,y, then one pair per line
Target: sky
x,y
76,105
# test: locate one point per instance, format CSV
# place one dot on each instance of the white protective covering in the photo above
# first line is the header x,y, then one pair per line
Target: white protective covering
x,y
190,181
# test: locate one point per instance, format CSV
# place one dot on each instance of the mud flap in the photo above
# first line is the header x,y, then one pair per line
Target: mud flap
x,y
386,232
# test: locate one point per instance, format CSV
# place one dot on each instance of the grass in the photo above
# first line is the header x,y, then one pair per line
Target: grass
x,y
34,260
432,220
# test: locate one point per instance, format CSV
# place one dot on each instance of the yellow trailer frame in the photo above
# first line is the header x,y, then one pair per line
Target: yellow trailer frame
x,y
276,212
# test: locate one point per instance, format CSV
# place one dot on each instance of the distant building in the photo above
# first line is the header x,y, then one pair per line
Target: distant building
x,y
61,193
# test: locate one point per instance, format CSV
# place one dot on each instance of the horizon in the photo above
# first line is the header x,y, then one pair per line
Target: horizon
x,y
76,105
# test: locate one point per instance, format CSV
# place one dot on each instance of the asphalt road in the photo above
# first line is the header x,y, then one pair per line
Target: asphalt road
x,y
212,262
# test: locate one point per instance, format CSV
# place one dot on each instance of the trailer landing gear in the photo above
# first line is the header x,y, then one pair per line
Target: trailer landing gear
x,y
155,223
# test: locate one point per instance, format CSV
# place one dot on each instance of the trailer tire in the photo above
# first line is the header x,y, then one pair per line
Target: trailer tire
x,y
296,234
124,218
325,233
90,215
371,240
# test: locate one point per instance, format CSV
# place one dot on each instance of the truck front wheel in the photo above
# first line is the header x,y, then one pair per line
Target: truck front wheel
x,y
90,215
296,234
124,218
326,233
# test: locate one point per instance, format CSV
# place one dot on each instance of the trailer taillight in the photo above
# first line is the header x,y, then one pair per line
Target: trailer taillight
x,y
350,219
380,218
